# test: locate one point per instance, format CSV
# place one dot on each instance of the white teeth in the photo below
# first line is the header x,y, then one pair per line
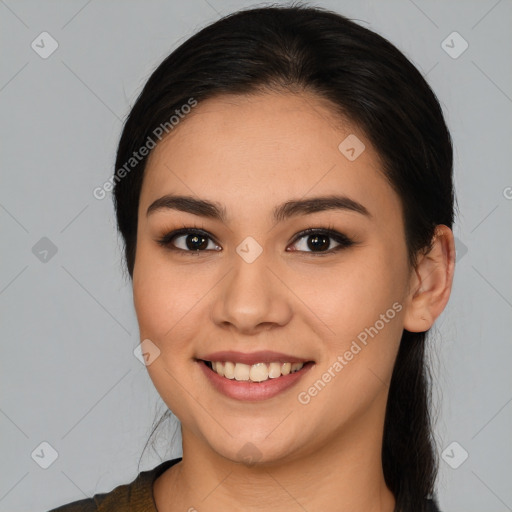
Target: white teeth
x,y
274,370
258,372
242,371
218,368
229,369
296,366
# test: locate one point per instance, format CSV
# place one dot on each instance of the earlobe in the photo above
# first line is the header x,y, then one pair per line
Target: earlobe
x,y
431,282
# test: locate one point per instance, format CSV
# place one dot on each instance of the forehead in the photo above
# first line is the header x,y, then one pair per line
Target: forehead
x,y
265,148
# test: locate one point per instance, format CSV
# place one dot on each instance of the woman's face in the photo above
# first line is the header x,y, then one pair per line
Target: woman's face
x,y
249,283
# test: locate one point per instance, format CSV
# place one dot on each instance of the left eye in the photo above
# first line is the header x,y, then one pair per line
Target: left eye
x,y
318,241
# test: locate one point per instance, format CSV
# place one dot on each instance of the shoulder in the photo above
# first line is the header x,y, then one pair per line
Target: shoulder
x,y
137,495
86,505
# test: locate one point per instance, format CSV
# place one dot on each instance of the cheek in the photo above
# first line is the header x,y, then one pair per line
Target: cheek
x,y
362,306
350,297
167,300
164,303
158,293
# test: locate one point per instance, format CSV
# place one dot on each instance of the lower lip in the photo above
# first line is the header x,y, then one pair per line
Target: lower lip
x,y
252,391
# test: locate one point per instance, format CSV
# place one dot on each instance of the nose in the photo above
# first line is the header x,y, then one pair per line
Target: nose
x,y
251,298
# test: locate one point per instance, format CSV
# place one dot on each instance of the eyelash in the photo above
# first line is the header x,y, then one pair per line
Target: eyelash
x,y
343,240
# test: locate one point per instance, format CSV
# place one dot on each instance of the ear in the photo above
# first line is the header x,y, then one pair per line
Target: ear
x,y
431,282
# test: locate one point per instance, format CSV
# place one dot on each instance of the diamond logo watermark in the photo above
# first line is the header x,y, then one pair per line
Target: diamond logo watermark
x,y
249,249
454,455
44,45
146,352
454,45
44,250
461,249
250,454
351,147
44,455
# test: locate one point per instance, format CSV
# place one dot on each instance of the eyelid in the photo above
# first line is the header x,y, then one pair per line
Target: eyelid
x,y
327,231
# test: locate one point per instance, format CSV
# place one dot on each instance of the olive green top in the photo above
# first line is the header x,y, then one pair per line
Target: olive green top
x,y
135,496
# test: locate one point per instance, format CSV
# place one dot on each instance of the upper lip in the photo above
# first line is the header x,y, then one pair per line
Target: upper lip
x,y
262,356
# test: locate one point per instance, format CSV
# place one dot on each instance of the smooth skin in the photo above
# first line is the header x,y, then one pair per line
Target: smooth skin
x,y
249,154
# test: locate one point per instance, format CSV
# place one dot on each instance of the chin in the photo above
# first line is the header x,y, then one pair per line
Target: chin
x,y
255,453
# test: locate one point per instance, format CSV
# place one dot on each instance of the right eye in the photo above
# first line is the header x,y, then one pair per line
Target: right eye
x,y
188,240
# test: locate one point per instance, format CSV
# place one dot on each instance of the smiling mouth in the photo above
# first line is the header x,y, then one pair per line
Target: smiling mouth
x,y
259,372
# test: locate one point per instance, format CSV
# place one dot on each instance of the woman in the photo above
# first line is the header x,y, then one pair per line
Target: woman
x,y
284,191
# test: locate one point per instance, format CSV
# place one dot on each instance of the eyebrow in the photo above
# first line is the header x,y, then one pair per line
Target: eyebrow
x,y
292,208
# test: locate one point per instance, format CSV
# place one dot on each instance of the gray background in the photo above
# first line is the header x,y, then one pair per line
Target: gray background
x,y
69,376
